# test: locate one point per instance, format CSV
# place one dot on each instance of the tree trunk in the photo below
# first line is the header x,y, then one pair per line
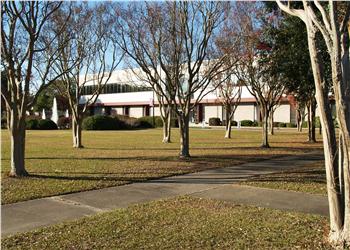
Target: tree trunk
x,y
311,122
184,136
229,116
166,129
18,134
228,129
8,117
77,133
265,127
271,128
341,82
299,120
329,142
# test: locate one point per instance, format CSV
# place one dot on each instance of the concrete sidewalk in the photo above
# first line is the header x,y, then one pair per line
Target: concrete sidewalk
x,y
269,198
215,183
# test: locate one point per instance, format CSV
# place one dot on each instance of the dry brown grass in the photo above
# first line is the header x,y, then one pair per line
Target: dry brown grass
x,y
113,158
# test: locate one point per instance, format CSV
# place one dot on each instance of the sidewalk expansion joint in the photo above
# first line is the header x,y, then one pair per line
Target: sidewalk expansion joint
x,y
74,203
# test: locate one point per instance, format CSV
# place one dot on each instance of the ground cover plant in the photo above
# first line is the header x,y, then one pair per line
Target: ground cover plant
x,y
181,223
112,158
310,178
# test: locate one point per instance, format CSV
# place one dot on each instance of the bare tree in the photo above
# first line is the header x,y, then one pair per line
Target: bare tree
x,y
257,67
229,93
331,19
88,58
229,89
198,23
267,88
147,34
25,38
172,44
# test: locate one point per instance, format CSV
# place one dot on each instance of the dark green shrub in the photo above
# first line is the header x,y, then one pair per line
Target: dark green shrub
x,y
248,123
291,125
256,124
143,124
3,122
102,122
64,122
131,123
174,123
317,122
276,124
32,123
304,124
158,121
282,125
214,121
233,123
149,119
46,125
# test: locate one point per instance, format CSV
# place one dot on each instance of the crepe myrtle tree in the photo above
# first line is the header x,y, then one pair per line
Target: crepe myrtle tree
x,y
88,58
201,61
229,88
256,67
229,94
265,86
146,33
331,19
28,52
293,61
172,44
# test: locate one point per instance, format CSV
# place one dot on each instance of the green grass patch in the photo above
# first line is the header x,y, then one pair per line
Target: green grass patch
x,y
181,223
310,178
112,158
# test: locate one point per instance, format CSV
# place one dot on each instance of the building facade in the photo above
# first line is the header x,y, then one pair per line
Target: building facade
x,y
125,94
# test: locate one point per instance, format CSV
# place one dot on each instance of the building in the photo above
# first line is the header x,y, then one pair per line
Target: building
x,y
126,94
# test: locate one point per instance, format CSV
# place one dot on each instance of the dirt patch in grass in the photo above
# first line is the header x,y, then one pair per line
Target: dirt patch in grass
x,y
181,223
310,178
112,158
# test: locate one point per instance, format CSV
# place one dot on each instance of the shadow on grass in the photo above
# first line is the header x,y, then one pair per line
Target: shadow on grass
x,y
290,150
220,170
302,175
257,147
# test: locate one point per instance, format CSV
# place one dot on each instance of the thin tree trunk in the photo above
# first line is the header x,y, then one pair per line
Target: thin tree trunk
x,y
299,120
228,128
228,121
165,114
184,136
77,133
311,122
8,117
340,63
329,142
18,134
271,128
265,128
169,127
166,129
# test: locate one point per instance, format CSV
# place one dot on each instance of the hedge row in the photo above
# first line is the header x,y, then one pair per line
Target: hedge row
x,y
215,121
40,124
121,122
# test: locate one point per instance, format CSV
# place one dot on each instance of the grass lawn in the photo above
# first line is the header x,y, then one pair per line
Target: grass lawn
x,y
181,223
113,158
310,178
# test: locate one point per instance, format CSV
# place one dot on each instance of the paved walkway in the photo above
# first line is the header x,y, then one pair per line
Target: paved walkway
x,y
215,183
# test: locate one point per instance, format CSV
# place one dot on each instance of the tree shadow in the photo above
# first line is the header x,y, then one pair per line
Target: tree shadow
x,y
301,175
220,169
